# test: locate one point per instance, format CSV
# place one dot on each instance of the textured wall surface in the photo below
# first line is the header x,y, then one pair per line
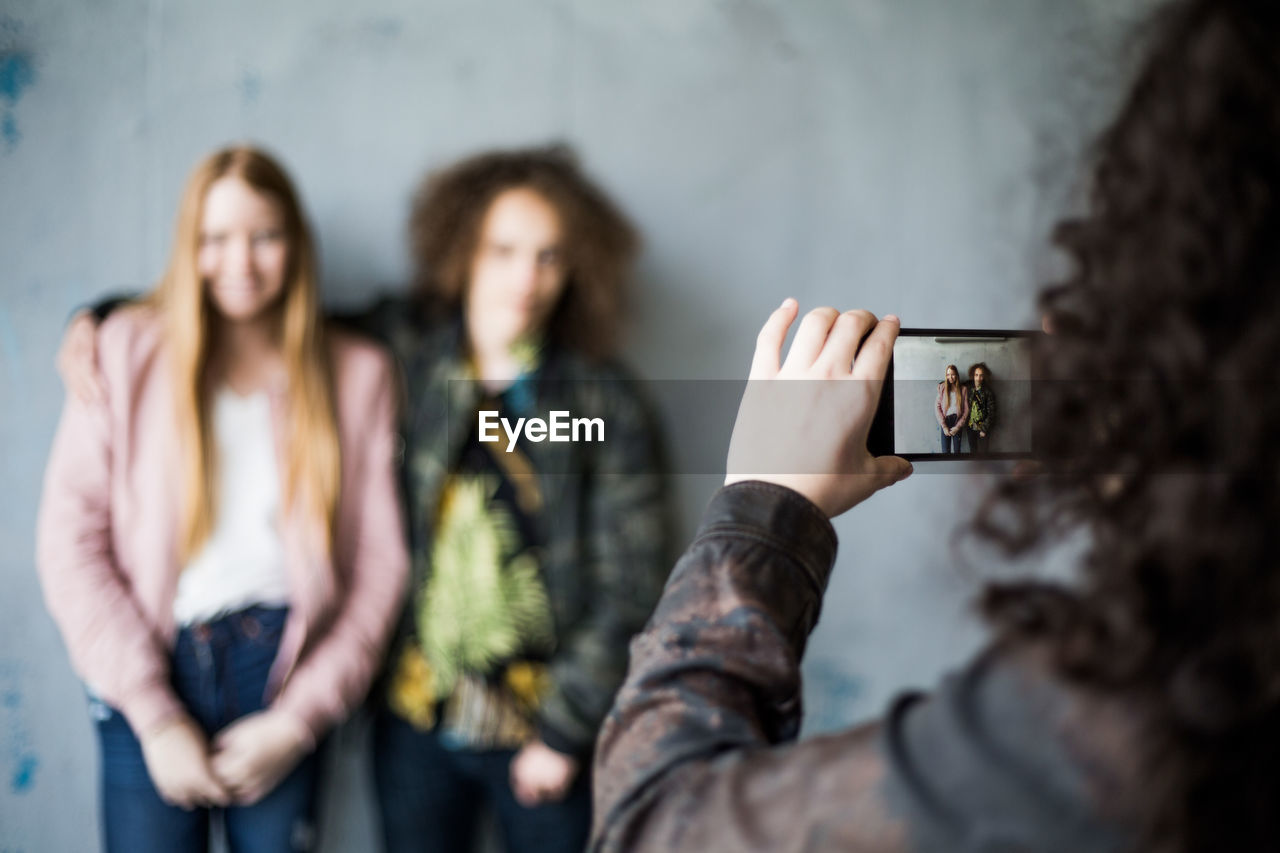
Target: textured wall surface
x,y
902,155
920,363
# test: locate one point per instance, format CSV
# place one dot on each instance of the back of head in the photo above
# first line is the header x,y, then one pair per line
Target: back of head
x,y
1160,429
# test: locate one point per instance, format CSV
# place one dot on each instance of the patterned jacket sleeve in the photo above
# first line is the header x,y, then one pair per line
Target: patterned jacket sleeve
x,y
699,752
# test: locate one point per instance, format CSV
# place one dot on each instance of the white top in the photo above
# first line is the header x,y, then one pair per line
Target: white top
x,y
242,562
953,401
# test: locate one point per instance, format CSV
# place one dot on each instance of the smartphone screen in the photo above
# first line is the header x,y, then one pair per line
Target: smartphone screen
x,y
957,394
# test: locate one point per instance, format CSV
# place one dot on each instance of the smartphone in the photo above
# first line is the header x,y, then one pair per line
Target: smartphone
x,y
984,413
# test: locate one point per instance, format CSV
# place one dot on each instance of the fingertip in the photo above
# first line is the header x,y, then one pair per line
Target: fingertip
x,y
892,318
788,309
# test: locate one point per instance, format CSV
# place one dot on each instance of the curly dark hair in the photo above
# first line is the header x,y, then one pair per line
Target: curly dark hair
x,y
600,243
1160,431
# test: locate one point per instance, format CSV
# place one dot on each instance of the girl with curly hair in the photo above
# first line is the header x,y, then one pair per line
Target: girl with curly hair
x,y
1135,708
534,566
982,409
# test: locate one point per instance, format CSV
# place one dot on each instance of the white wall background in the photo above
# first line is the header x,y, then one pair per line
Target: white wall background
x,y
901,155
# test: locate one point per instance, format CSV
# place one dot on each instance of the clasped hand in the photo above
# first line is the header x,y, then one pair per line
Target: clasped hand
x,y
244,763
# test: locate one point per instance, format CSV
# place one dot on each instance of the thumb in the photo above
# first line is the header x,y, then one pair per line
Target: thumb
x,y
891,469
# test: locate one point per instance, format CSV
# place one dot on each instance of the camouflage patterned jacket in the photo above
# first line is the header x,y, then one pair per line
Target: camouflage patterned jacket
x,y
606,524
699,752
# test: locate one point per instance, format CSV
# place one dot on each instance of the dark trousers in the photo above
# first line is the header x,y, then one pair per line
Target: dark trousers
x,y
950,443
219,671
430,796
977,444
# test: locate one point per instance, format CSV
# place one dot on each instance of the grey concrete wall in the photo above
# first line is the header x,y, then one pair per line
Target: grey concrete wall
x,y
920,363
902,155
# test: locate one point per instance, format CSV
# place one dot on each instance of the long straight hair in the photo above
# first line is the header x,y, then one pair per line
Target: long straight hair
x,y
952,389
312,462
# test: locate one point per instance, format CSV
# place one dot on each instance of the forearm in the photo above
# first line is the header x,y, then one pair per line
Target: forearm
x,y
372,320
718,666
379,320
103,308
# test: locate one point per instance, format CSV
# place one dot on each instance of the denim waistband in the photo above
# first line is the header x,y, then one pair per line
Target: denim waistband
x,y
252,623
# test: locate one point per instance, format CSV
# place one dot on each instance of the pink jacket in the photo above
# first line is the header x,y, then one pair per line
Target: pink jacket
x,y
962,405
106,536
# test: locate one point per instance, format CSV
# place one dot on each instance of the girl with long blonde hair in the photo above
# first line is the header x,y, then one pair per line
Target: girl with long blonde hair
x,y
220,539
952,409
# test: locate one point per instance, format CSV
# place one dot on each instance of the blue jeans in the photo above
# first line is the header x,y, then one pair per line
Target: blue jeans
x,y
950,443
430,796
219,671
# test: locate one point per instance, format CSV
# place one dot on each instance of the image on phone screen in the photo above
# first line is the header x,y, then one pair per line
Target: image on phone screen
x,y
958,394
